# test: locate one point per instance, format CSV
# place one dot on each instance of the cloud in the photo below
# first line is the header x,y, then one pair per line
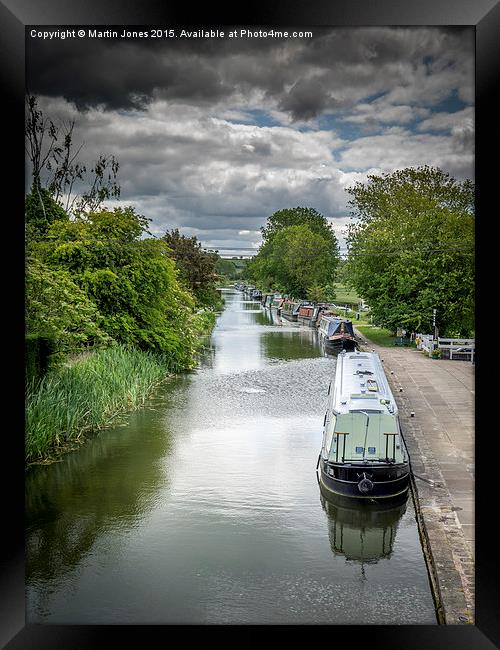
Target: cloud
x,y
214,136
334,70
445,121
397,148
381,112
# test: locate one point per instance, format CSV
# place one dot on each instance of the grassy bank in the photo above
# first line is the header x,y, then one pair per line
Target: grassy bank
x,y
95,390
345,296
87,395
378,335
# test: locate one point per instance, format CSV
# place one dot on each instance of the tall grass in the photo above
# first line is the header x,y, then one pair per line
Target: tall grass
x,y
88,395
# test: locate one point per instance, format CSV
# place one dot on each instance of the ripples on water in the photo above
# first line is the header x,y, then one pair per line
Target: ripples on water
x,y
205,508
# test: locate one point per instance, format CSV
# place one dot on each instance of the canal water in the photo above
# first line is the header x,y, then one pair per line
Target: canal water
x,y
205,507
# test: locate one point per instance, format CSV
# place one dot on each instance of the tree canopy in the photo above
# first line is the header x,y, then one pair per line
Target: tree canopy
x,y
411,249
59,311
299,253
299,216
132,282
198,268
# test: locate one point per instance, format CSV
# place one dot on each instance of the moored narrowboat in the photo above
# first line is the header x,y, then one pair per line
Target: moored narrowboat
x,y
277,302
290,310
309,313
248,290
337,333
266,300
363,454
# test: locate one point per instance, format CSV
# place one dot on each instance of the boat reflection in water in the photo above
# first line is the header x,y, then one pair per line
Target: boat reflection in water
x,y
363,533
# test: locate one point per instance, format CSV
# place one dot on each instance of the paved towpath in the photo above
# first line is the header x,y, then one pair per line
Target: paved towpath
x,y
440,438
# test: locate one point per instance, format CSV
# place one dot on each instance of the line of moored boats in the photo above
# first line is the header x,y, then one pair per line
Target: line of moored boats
x,y
363,454
336,331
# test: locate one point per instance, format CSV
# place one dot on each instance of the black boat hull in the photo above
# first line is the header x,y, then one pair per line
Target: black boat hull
x,y
308,322
341,344
364,484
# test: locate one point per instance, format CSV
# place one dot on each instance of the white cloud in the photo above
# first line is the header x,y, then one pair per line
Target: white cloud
x,y
398,148
442,121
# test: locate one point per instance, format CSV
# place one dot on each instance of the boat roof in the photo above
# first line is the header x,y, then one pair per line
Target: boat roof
x,y
333,317
332,324
360,384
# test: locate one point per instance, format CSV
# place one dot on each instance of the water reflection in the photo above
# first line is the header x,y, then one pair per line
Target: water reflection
x,y
71,503
363,533
270,317
290,344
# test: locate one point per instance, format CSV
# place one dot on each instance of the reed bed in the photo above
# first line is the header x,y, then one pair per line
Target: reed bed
x,y
88,395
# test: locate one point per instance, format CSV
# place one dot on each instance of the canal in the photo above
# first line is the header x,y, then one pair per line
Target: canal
x,y
205,506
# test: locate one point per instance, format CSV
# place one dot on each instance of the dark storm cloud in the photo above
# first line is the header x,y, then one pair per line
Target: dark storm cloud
x,y
125,73
118,75
301,77
306,99
129,74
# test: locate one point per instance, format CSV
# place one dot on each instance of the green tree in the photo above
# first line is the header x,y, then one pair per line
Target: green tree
x,y
321,293
41,210
60,318
198,268
295,260
299,251
132,281
310,217
412,249
227,269
58,310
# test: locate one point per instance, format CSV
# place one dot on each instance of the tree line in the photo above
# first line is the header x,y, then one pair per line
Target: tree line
x,y
410,251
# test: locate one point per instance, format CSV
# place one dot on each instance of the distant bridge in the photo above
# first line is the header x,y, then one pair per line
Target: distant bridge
x,y
228,253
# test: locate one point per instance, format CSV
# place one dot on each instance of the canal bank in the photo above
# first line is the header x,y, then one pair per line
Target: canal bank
x,y
436,405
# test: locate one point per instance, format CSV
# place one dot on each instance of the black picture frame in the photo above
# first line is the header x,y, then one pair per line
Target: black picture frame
x,y
484,15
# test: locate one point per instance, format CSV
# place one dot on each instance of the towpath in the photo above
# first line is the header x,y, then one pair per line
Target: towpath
x,y
440,438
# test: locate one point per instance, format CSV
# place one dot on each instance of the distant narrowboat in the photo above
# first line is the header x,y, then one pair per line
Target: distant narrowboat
x,y
363,454
266,300
277,302
337,333
310,312
290,310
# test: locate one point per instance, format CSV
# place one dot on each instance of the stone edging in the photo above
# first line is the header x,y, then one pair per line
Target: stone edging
x,y
448,557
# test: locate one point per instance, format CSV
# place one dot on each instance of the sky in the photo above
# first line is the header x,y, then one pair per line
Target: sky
x,y
213,135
